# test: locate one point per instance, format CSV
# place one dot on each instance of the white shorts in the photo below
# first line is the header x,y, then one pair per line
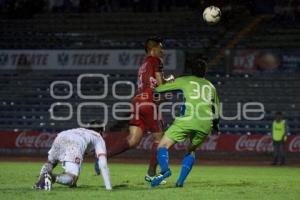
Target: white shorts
x,y
72,168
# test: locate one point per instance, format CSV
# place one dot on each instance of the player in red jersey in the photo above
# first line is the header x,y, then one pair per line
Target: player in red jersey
x,y
145,112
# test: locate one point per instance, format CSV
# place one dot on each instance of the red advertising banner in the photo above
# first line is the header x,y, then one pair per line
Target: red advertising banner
x,y
26,139
234,143
214,143
244,61
265,60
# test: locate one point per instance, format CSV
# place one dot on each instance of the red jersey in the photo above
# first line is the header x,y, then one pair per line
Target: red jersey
x,y
146,116
146,77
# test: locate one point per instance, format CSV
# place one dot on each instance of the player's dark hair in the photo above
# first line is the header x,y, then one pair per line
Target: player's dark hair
x,y
96,125
151,42
279,113
199,67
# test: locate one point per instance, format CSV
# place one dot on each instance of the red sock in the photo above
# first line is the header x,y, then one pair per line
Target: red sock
x,y
153,160
118,148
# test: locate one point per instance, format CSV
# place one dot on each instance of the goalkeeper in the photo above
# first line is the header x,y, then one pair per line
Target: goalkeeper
x,y
199,118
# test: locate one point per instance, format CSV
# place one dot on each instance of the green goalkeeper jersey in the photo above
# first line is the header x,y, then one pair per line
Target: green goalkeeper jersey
x,y
201,102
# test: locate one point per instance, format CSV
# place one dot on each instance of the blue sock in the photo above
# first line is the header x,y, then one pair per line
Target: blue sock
x,y
187,165
163,159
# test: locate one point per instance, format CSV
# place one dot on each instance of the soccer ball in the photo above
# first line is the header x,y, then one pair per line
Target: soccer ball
x,y
212,15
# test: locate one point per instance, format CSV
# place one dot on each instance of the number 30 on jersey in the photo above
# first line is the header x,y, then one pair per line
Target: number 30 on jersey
x,y
204,92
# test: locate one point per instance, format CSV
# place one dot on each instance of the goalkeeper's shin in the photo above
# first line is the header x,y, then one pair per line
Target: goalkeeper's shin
x,y
163,159
187,165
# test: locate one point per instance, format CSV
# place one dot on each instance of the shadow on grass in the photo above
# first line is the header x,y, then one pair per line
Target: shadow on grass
x,y
219,184
127,186
193,184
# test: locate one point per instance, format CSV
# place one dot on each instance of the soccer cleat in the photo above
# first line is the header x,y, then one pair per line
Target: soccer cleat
x,y
178,185
48,182
159,178
40,184
44,182
150,178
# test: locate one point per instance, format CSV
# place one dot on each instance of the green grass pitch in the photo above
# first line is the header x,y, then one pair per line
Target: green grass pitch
x,y
204,182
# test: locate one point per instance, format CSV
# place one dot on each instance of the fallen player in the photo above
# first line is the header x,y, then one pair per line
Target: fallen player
x,y
69,147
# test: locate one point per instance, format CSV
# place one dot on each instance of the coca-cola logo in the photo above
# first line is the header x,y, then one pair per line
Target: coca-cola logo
x,y
265,144
181,145
210,144
147,142
295,144
35,140
258,144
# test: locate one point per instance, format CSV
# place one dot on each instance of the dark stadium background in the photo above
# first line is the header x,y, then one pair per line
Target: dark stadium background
x,y
253,55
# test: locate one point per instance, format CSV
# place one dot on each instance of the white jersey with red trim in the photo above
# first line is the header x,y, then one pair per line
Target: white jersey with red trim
x,y
70,145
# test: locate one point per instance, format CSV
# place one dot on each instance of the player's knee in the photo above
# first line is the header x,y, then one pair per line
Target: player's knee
x,y
166,142
66,179
165,145
157,137
133,141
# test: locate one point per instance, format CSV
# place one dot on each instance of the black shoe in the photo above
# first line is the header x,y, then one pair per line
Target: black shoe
x,y
178,185
44,182
40,185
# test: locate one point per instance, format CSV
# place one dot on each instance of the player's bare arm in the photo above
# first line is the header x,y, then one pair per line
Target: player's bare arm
x,y
102,162
159,78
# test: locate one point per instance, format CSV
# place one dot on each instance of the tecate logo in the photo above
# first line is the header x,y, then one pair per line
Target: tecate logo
x,y
295,144
34,140
262,144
